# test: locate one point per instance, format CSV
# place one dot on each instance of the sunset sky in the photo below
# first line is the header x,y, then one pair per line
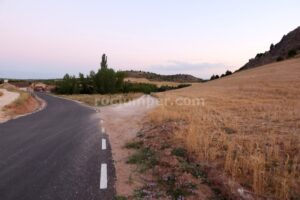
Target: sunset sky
x,y
46,39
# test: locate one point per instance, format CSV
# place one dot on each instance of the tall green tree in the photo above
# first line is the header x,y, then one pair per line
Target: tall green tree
x,y
106,80
103,64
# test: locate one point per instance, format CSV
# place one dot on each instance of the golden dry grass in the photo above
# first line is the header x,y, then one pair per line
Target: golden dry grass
x,y
249,127
103,100
158,83
23,105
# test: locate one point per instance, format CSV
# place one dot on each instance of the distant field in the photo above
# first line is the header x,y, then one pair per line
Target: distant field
x,y
249,127
102,100
158,83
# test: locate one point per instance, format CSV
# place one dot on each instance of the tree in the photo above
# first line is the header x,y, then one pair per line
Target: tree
x,y
103,64
83,84
259,55
272,47
120,80
68,85
292,53
227,73
105,81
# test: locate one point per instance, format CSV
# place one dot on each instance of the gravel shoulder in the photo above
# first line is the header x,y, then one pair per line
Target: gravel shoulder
x,y
122,123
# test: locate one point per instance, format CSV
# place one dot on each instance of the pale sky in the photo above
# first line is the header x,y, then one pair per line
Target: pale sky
x,y
48,38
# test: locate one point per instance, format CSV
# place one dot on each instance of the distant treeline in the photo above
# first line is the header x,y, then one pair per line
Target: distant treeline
x,y
148,88
105,81
227,73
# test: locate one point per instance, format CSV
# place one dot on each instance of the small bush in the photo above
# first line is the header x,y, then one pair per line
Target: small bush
x,y
144,157
259,55
165,146
179,151
119,197
195,169
139,87
134,145
279,59
227,73
140,134
292,53
229,130
272,46
175,190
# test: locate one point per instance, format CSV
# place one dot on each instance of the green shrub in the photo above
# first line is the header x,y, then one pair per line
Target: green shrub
x,y
119,197
139,87
134,145
193,168
145,158
229,130
179,151
279,59
228,72
259,55
139,194
292,53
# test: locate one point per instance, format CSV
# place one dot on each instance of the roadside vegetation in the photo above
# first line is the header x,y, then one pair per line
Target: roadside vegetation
x,y
103,99
106,81
168,171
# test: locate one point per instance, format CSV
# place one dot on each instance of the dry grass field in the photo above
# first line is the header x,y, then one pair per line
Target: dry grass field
x,y
158,83
103,100
248,128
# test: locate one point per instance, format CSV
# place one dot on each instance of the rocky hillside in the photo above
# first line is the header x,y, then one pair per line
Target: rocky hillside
x,y
181,78
288,47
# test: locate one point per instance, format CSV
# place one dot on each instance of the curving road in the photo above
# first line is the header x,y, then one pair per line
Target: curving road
x,y
55,154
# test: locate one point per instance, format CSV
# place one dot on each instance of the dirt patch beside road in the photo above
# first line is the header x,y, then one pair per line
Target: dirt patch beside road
x,y
122,123
15,103
6,98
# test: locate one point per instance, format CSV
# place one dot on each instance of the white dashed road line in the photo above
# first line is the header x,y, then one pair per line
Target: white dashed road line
x,y
103,177
103,173
103,144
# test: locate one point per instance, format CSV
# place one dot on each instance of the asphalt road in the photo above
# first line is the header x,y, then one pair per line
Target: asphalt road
x,y
54,154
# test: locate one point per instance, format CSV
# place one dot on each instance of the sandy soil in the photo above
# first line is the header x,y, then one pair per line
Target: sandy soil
x,y
122,122
6,99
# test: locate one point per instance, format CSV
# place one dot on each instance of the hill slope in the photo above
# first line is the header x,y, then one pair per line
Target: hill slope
x,y
248,128
286,48
180,78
